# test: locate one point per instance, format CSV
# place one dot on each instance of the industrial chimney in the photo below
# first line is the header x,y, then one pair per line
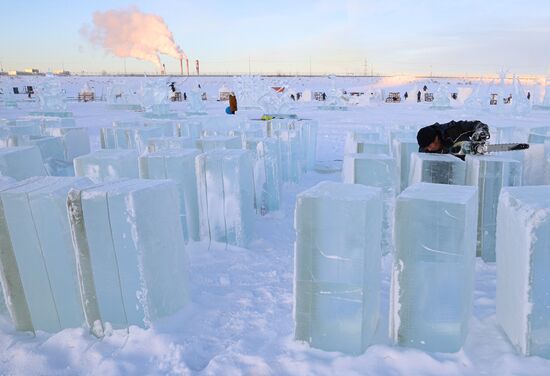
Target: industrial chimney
x,y
181,66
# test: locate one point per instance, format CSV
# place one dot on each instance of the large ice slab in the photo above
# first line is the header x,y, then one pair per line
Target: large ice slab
x,y
13,295
436,168
490,174
226,196
267,173
37,220
178,165
403,148
433,277
130,250
129,137
523,239
375,170
21,162
107,164
337,266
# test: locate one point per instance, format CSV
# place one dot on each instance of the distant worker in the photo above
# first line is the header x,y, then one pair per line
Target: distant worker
x,y
232,104
406,95
298,95
528,95
173,87
454,96
418,96
324,96
184,96
425,88
292,97
447,137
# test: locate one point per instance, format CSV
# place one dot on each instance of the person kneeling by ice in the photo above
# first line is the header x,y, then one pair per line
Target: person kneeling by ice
x,y
448,137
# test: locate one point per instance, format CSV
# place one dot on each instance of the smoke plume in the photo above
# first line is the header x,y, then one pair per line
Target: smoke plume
x,y
131,33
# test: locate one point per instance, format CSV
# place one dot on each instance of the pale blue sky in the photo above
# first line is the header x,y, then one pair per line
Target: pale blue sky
x,y
291,36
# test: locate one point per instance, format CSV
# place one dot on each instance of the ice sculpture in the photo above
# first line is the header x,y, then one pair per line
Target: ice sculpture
x,y
490,174
121,97
36,217
441,98
51,99
433,276
12,288
155,99
436,168
376,171
195,104
179,166
107,164
226,196
130,251
337,266
523,236
21,162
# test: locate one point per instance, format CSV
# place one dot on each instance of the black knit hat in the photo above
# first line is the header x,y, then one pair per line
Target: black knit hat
x,y
426,136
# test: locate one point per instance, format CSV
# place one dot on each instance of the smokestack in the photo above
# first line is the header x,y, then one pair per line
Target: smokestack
x,y
163,69
187,65
181,66
197,67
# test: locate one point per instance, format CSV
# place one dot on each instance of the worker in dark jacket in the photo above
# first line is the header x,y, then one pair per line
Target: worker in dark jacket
x,y
446,138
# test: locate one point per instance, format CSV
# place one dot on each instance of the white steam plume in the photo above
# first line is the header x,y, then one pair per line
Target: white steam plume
x,y
131,33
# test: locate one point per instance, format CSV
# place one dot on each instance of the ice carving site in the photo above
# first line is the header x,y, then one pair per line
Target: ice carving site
x,y
310,240
191,224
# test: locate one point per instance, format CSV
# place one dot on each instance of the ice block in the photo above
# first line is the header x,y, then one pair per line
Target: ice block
x,y
337,266
433,273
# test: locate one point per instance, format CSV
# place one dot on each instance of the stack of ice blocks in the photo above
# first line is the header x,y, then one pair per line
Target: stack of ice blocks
x,y
337,266
130,250
76,141
107,164
37,225
21,162
436,168
378,171
433,277
226,196
490,174
129,137
178,165
219,142
166,143
523,243
267,173
13,296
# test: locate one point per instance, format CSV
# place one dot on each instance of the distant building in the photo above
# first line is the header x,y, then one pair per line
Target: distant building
x,y
61,72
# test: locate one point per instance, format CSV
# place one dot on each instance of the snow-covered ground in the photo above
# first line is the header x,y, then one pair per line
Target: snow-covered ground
x,y
239,320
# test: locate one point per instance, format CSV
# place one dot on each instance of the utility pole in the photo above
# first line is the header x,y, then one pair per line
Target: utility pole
x,y
365,69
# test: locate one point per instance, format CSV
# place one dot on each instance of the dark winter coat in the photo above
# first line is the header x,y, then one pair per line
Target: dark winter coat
x,y
456,131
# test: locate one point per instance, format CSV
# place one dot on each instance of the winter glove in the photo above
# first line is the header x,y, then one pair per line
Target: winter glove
x,y
481,132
